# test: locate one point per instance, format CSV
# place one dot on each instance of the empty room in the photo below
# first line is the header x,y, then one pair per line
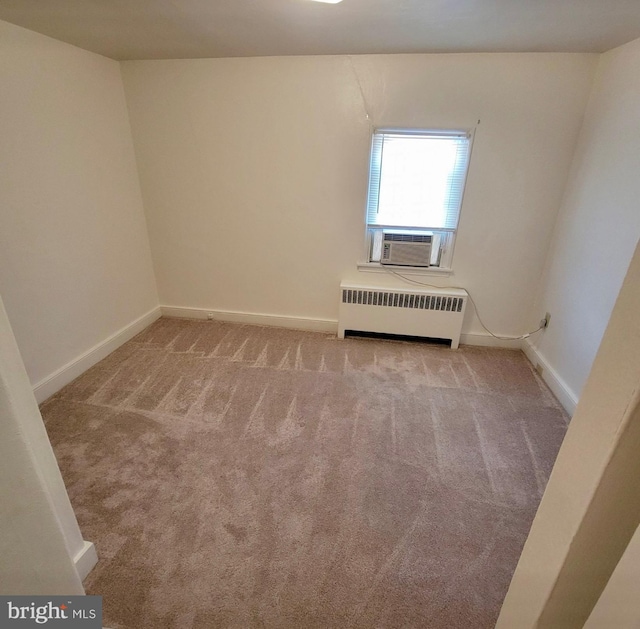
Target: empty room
x,y
321,313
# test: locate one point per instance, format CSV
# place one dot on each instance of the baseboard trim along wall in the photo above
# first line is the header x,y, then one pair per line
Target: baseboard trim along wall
x,y
85,560
53,383
486,340
250,318
306,323
558,386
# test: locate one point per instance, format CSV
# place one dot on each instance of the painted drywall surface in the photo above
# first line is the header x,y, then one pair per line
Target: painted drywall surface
x,y
596,466
254,171
75,265
39,535
619,605
599,221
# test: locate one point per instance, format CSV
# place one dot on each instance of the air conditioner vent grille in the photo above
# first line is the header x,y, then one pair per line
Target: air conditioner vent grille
x,y
408,237
402,300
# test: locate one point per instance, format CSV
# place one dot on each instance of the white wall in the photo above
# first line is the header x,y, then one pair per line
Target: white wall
x,y
599,222
254,171
75,265
619,605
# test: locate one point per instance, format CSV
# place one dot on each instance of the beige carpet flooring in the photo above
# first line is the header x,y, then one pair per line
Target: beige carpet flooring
x,y
239,476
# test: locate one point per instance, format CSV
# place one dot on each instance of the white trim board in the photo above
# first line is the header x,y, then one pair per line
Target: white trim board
x,y
85,560
306,323
558,386
59,378
251,318
486,340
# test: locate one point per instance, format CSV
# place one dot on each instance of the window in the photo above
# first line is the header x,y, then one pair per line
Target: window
x,y
416,184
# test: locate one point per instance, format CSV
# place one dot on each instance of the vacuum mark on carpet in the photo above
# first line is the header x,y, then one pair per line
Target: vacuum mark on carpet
x,y
237,357
397,553
483,453
261,361
254,412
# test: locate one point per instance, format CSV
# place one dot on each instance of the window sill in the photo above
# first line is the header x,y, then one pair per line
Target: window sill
x,y
376,267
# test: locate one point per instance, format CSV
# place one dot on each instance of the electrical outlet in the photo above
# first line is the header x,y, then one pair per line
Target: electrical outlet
x,y
210,316
547,318
538,369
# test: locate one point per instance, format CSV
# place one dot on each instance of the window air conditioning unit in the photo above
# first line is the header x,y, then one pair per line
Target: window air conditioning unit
x,y
406,248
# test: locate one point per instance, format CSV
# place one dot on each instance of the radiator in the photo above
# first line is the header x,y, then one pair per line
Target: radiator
x,y
433,313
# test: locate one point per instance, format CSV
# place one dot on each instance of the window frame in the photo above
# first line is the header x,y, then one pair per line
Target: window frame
x,y
447,235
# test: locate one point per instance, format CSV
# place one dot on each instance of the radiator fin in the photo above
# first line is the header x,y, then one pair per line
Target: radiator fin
x,y
402,300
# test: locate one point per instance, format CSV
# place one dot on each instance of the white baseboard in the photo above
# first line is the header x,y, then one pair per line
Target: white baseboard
x,y
561,390
306,323
297,323
85,560
54,382
486,340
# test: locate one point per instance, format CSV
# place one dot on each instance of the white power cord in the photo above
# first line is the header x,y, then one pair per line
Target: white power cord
x,y
543,323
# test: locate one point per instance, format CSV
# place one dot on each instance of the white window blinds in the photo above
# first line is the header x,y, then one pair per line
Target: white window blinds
x,y
417,179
